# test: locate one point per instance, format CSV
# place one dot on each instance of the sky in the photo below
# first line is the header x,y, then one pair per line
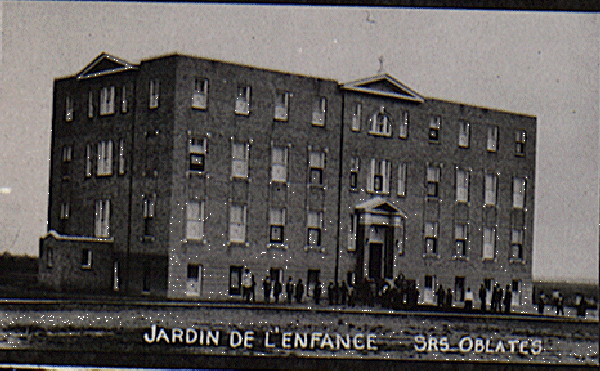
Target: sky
x,y
540,63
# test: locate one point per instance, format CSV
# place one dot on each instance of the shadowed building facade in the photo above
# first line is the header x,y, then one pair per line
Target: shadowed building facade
x,y
171,177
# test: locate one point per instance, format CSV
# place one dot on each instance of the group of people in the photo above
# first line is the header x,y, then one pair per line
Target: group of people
x,y
499,298
558,303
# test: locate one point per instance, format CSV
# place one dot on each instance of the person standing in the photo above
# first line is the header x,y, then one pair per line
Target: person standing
x,y
330,292
344,292
277,291
507,299
469,300
499,299
267,289
289,290
541,302
483,298
299,291
317,292
441,297
448,298
247,285
253,289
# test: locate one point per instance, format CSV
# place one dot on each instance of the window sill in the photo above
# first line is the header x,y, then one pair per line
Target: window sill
x,y
378,134
433,198
315,248
403,137
355,130
278,183
517,261
238,244
489,260
86,267
431,141
277,245
242,113
196,173
490,205
193,240
318,124
519,155
107,114
461,258
431,256
65,178
317,186
148,238
401,195
379,193
280,119
103,175
198,107
354,190
240,177
492,151
146,293
463,146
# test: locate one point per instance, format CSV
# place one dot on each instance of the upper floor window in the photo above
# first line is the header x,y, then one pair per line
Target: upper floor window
x,y
352,225
433,181
379,176
462,185
461,231
282,106
65,210
314,222
102,218
517,244
194,229
357,117
66,153
435,125
107,100
86,258
404,121
519,185
68,108
491,184
90,104
197,152
316,165
318,111
121,157
237,224
239,160
200,95
242,100
489,243
492,138
354,173
380,123
431,236
104,165
277,222
279,160
463,134
402,179
154,93
520,137
124,103
88,160
148,207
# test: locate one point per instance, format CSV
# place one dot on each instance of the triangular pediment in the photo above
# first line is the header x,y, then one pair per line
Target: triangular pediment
x,y
378,205
383,85
105,64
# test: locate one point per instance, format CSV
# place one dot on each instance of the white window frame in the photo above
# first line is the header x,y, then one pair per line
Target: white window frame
x,y
197,147
88,161
383,169
519,191
404,122
149,206
492,138
319,111
194,285
352,227
314,220
464,134
462,185
105,151
491,189
121,157
402,181
90,104
237,223
277,220
433,180
430,232
154,93
520,140
357,117
240,154
242,100
200,94
489,243
354,167
107,100
316,163
194,226
279,166
69,108
65,210
282,106
102,218
66,153
461,239
380,123
435,126
87,255
124,101
516,244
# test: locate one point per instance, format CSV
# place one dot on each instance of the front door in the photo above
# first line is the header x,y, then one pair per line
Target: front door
x,y
375,260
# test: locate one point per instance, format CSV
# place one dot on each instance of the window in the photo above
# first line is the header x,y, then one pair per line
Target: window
x,y
489,243
314,222
463,134
149,206
121,157
403,129
517,244
520,136
124,100
102,228
318,111
104,165
235,280
431,234
66,153
116,275
65,210
459,288
88,161
242,101
491,184
90,104
197,153
492,138
434,128
354,173
279,159
352,233
460,238
49,258
68,108
237,224
462,185
86,258
357,117
146,280
200,95
194,280
379,177
239,160
107,101
282,106
154,93
381,123
433,180
312,279
429,287
194,220
316,164
519,185
277,220
402,179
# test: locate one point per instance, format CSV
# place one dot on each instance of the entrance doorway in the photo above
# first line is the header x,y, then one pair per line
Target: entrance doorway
x,y
375,260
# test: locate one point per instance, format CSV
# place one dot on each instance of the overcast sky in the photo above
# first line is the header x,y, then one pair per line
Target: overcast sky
x,y
544,64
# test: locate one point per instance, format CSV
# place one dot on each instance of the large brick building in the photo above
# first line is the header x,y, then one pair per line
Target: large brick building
x,y
171,177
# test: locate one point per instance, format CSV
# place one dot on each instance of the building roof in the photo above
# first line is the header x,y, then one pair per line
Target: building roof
x,y
383,85
105,64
